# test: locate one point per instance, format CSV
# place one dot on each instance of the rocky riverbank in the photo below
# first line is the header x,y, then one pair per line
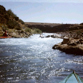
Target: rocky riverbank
x,y
14,26
70,46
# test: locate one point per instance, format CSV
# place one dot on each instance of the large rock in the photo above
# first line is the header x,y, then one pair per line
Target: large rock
x,y
74,46
65,40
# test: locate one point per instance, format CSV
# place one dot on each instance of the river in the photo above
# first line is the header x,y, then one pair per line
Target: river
x,y
32,60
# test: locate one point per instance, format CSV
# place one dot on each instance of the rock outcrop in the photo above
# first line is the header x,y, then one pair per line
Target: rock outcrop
x,y
50,27
71,46
15,27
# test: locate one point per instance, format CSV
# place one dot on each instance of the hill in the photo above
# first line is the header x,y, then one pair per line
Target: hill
x,y
13,24
70,30
17,28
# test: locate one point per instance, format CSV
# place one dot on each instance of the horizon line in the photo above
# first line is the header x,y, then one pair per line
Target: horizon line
x,y
53,22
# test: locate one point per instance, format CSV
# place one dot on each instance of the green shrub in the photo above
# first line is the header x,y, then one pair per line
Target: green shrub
x,y
28,30
37,30
21,21
13,24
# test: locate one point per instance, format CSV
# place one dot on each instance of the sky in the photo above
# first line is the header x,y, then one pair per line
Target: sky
x,y
46,11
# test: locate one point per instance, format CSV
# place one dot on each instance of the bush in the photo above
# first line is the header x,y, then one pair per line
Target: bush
x,y
6,16
10,13
2,10
79,32
4,27
21,21
37,30
13,24
28,30
18,27
2,19
16,18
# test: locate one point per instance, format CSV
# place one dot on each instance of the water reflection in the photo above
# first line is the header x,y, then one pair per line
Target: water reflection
x,y
32,60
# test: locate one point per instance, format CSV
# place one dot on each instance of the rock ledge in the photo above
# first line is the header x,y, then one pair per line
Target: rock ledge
x,y
70,46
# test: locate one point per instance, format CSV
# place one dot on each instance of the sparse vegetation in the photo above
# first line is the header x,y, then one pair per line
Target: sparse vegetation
x,y
21,21
81,23
15,26
11,14
37,30
4,27
28,30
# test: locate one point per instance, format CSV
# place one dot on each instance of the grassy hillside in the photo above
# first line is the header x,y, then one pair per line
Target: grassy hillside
x,y
13,24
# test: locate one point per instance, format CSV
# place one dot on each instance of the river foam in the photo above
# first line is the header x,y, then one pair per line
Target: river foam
x,y
32,60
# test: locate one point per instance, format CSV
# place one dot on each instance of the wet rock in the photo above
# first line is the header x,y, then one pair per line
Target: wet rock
x,y
71,46
47,36
56,46
53,36
65,40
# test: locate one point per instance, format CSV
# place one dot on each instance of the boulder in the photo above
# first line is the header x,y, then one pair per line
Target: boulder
x,y
65,40
53,36
47,36
71,46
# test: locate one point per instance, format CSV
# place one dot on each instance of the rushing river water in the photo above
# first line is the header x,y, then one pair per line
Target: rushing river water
x,y
32,60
